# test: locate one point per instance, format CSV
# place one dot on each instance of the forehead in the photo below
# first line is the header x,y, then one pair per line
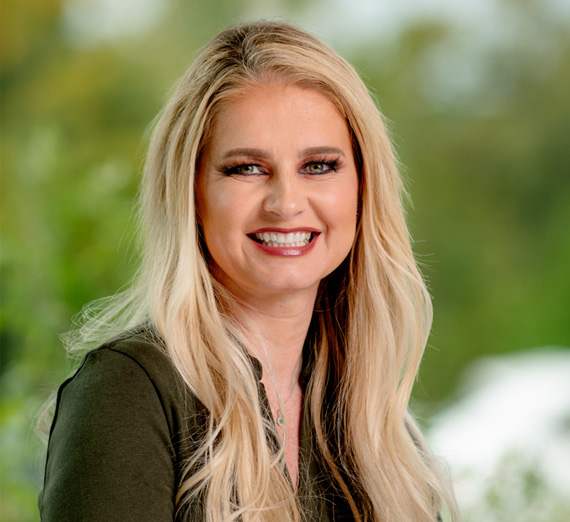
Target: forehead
x,y
278,114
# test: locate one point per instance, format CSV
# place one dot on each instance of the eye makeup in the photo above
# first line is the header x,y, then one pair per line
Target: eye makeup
x,y
243,169
317,166
320,166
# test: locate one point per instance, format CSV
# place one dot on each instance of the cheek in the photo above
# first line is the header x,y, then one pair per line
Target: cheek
x,y
344,205
222,216
212,209
348,209
205,212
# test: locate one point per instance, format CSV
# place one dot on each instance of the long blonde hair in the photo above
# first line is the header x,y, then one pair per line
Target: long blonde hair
x,y
371,318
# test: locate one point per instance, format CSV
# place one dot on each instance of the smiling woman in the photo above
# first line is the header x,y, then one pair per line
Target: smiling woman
x,y
277,191
261,366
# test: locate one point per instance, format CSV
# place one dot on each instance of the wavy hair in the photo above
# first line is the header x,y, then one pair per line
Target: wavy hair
x,y
371,317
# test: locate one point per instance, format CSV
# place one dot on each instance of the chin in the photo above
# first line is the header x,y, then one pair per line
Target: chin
x,y
287,286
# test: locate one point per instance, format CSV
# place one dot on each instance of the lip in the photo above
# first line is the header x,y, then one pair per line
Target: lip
x,y
285,251
284,230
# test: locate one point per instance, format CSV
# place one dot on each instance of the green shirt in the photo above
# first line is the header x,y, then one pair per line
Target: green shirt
x,y
124,424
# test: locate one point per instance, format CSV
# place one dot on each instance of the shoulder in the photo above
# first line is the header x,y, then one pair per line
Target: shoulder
x,y
131,372
117,437
141,347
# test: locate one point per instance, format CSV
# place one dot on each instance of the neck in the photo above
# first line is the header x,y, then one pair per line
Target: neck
x,y
279,328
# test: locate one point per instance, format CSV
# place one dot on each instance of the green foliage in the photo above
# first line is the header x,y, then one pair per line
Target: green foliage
x,y
487,167
517,491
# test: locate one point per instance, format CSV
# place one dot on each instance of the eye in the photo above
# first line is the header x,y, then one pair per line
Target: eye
x,y
320,167
244,169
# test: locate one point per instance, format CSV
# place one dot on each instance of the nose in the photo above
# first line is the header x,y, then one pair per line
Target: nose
x,y
285,195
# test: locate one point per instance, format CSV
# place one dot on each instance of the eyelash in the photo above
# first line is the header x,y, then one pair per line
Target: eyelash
x,y
232,170
331,164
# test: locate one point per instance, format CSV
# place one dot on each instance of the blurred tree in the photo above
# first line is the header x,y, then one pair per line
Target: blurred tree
x,y
488,163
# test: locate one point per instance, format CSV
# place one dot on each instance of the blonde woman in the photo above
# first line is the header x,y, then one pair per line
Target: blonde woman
x,y
261,367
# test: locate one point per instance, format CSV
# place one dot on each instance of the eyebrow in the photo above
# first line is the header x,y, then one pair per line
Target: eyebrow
x,y
262,154
311,151
257,153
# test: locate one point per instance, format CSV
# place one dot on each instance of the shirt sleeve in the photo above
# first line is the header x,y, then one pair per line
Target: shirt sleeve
x,y
110,456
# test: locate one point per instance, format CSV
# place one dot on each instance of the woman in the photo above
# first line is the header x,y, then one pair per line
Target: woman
x,y
267,354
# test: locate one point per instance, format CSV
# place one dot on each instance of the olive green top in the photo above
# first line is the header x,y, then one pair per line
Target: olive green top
x,y
124,425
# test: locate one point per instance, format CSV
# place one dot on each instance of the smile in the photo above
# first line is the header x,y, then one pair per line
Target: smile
x,y
279,239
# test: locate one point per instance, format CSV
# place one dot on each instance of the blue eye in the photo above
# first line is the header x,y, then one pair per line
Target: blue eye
x,y
244,169
317,168
320,167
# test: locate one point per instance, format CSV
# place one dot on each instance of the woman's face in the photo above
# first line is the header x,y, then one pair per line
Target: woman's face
x,y
277,192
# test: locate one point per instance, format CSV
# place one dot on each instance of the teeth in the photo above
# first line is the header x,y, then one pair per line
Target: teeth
x,y
277,239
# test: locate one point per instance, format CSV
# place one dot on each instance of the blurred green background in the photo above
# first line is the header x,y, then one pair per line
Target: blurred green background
x,y
479,107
